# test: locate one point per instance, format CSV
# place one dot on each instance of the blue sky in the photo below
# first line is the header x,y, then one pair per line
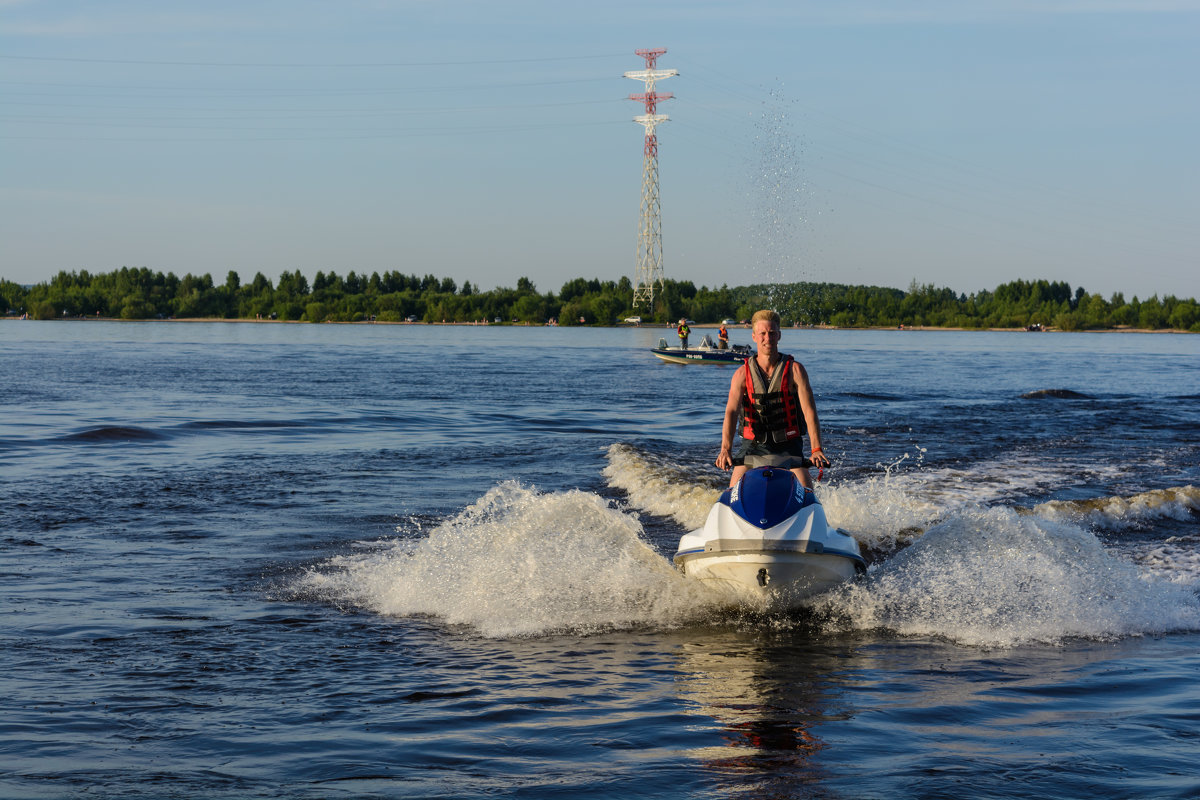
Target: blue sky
x,y
961,144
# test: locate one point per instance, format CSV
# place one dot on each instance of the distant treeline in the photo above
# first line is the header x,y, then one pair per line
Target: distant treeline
x,y
394,297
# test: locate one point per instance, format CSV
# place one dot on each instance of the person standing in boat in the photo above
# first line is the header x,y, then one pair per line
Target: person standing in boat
x,y
722,338
683,330
770,393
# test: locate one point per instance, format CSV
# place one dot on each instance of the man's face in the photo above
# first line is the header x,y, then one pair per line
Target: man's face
x,y
766,336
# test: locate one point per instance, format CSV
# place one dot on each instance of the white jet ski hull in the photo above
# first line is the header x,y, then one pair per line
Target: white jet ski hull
x,y
767,543
773,579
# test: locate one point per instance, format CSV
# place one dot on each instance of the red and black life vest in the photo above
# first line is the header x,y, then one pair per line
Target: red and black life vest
x,y
771,410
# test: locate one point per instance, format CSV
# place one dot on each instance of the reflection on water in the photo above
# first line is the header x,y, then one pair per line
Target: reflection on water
x,y
804,716
768,695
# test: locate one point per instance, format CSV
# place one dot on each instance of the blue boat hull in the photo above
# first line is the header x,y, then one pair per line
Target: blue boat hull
x,y
677,355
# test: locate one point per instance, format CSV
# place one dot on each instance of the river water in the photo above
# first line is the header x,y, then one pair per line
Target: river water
x,y
310,561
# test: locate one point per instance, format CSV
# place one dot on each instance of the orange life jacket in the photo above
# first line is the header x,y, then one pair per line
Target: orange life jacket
x,y
771,410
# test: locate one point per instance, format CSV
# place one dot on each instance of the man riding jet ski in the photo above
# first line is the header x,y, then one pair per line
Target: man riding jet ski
x,y
767,539
771,394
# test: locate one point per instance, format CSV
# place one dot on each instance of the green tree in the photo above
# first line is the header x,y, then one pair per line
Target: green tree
x,y
529,308
42,309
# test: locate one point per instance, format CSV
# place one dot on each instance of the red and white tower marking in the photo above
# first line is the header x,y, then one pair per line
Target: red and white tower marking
x,y
649,253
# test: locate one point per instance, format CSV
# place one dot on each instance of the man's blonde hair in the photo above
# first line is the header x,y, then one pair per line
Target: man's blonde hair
x,y
766,315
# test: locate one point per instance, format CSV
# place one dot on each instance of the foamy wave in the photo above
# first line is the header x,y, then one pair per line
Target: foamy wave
x,y
992,577
521,563
877,512
1176,559
661,487
1017,474
1181,503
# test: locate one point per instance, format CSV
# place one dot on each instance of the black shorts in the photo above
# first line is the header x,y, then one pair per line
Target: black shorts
x,y
789,455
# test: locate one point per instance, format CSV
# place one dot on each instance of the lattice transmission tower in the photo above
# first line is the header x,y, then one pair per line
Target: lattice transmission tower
x,y
649,249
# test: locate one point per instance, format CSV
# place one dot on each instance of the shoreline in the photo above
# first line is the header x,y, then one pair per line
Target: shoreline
x,y
652,325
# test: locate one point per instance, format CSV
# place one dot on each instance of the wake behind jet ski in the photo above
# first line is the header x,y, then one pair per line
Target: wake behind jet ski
x,y
767,543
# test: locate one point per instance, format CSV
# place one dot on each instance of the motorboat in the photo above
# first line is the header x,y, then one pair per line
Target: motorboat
x,y
767,543
706,352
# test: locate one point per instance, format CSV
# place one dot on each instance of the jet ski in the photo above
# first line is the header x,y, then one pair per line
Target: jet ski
x,y
767,543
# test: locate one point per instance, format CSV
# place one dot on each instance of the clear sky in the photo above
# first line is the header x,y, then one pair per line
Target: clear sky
x,y
957,143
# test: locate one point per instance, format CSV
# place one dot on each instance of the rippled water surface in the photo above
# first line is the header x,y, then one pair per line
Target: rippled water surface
x,y
309,561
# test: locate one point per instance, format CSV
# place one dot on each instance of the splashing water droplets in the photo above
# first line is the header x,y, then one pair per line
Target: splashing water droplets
x,y
519,563
777,198
992,577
